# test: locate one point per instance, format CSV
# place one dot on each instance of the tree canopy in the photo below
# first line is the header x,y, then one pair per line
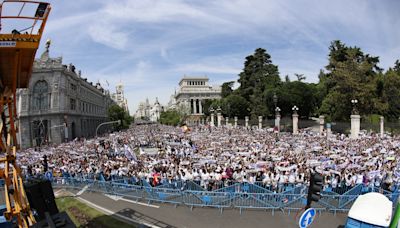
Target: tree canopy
x,y
115,113
349,74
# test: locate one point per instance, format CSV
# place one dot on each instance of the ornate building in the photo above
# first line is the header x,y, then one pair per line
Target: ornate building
x,y
149,112
192,93
59,105
119,97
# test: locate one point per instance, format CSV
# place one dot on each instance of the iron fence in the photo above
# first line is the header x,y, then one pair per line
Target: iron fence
x,y
239,195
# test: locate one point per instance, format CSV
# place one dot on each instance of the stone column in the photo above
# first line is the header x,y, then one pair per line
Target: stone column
x,y
278,122
219,119
200,108
236,119
295,123
260,122
212,119
226,121
382,120
355,126
328,129
321,124
194,106
246,121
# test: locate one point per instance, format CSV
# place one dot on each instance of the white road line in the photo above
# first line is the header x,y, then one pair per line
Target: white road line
x,y
83,190
117,198
140,203
109,212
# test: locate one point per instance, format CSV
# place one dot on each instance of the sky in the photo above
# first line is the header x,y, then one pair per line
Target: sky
x,y
149,45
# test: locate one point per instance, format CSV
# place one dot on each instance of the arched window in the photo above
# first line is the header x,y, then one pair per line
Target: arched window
x,y
40,96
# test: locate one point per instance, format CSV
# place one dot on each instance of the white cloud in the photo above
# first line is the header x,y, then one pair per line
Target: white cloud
x,y
104,33
150,44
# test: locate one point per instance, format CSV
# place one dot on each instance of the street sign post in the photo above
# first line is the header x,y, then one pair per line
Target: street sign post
x,y
49,175
307,218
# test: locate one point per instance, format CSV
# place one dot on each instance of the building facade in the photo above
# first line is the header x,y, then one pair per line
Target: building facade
x,y
59,105
192,93
119,97
149,112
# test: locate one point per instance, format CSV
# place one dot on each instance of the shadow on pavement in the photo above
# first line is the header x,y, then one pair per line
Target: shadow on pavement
x,y
142,218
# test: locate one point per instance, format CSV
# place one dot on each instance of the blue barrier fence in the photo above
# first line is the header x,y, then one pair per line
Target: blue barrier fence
x,y
238,195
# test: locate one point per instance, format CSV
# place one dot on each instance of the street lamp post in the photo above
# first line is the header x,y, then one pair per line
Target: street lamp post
x,y
354,104
295,119
355,120
212,116
275,99
110,122
277,118
219,117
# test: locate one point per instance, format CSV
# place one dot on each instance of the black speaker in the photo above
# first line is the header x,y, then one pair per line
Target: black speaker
x,y
41,198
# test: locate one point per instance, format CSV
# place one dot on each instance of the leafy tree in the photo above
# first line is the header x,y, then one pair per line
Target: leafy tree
x,y
227,89
391,93
300,77
351,75
301,94
397,66
115,113
171,117
258,76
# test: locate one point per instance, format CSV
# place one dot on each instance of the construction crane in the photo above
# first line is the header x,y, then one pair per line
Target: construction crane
x,y
21,28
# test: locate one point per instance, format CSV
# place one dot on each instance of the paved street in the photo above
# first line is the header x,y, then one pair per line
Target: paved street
x,y
169,216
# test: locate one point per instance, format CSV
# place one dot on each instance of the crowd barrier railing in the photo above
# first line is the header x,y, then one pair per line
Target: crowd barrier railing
x,y
239,195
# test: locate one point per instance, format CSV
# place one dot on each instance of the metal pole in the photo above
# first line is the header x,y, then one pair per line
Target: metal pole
x,y
110,122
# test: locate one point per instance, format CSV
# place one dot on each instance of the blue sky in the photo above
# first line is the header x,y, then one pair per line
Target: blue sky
x,y
150,44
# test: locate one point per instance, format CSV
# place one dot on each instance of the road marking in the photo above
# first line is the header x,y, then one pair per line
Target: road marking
x,y
109,212
113,197
144,204
117,198
83,190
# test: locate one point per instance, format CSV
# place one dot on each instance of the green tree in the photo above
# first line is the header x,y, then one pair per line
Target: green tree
x,y
301,94
258,76
227,89
171,117
391,93
351,74
115,113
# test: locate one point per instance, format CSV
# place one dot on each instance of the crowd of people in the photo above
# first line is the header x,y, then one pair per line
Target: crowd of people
x,y
216,157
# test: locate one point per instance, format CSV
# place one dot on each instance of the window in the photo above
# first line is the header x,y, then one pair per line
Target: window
x,y
73,87
40,96
72,103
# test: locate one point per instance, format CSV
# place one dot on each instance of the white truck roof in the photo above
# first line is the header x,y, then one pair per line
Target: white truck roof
x,y
373,208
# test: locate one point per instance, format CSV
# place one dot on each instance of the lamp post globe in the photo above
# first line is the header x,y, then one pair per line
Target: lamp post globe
x,y
295,109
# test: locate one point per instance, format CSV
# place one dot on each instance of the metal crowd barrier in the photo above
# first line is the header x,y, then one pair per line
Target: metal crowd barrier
x,y
239,195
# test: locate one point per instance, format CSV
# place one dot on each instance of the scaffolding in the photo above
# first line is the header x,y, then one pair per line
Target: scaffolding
x,y
21,28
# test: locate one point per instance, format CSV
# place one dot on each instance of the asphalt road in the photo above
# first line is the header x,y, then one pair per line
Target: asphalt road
x,y
166,215
182,216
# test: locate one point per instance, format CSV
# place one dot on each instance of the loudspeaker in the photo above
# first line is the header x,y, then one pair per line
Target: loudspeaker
x,y
41,198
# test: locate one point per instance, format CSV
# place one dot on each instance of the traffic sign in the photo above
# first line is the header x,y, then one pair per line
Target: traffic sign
x,y
49,175
307,217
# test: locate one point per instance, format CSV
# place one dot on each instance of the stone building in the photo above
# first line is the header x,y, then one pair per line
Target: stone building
x,y
59,105
119,97
149,112
192,93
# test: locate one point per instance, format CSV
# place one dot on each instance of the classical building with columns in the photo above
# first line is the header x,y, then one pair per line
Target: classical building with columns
x,y
192,93
59,105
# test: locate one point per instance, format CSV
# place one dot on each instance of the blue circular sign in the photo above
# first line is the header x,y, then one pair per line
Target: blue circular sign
x,y
49,175
307,217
